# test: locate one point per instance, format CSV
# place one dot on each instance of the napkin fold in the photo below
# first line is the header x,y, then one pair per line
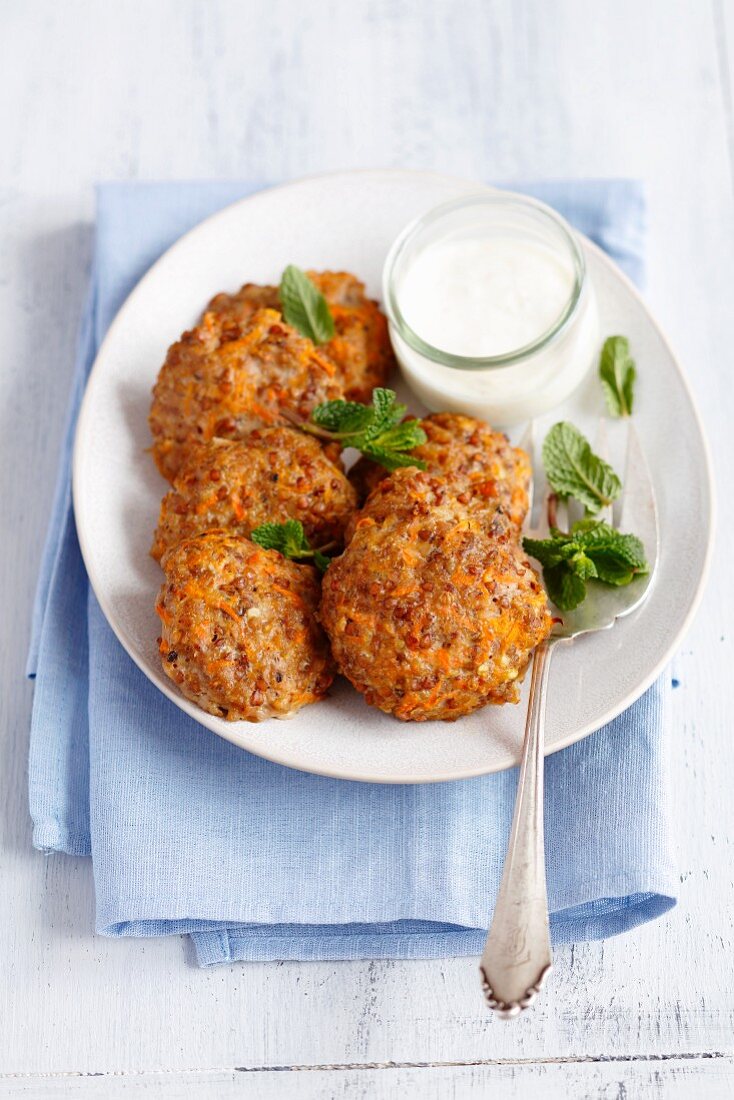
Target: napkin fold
x,y
189,834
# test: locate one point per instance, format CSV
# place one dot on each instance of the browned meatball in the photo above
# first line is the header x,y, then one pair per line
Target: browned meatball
x,y
429,614
360,349
240,636
480,462
272,475
237,308
409,493
224,378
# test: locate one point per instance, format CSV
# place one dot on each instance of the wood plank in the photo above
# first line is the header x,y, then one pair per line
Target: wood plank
x,y
676,1079
724,32
504,91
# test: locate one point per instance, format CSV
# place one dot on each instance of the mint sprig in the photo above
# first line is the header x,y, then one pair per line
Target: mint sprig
x,y
617,373
289,539
592,550
377,430
304,306
573,470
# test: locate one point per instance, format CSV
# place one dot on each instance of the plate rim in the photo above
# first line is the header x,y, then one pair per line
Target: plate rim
x,y
202,717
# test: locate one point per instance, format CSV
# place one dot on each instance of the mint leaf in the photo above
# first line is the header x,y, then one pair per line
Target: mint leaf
x,y
342,417
549,552
402,437
387,412
611,570
600,539
566,589
592,550
268,535
289,539
304,306
392,447
321,560
376,430
391,460
573,470
617,373
581,565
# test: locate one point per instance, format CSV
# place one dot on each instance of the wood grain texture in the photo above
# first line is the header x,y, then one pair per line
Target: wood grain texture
x,y
675,1078
274,89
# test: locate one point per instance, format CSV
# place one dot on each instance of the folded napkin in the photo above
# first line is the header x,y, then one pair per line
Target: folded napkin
x,y
190,834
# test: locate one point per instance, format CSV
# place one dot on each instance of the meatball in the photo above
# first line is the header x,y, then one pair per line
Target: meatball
x,y
238,308
240,636
224,378
473,457
271,475
360,348
409,493
430,614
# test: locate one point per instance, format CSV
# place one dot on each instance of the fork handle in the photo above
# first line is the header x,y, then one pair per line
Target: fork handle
x,y
517,954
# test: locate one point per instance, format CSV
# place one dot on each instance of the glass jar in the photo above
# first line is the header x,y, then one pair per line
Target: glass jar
x,y
501,280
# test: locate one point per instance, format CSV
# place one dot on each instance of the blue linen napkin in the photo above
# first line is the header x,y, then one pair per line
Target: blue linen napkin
x,y
190,834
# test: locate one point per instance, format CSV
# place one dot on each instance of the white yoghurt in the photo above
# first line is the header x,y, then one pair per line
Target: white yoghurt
x,y
483,278
485,297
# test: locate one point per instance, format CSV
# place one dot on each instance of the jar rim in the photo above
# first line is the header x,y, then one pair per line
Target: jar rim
x,y
509,199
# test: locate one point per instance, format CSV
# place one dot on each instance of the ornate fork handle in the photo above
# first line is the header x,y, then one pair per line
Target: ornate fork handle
x,y
517,955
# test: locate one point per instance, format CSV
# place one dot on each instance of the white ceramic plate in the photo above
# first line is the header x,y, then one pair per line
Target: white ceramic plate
x,y
348,221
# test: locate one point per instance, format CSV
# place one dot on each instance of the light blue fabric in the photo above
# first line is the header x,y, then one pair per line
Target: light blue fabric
x,y
190,834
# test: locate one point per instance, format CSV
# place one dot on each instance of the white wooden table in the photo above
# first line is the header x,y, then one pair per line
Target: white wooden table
x,y
275,89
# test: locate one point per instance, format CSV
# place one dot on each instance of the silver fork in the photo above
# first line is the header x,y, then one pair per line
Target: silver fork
x,y
517,955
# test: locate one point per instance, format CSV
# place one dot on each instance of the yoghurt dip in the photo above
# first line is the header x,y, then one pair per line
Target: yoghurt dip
x,y
491,309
